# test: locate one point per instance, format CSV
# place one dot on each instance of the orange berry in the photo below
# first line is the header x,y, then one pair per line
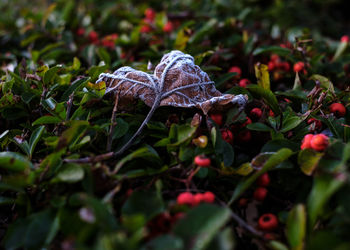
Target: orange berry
x,y
319,142
306,141
299,66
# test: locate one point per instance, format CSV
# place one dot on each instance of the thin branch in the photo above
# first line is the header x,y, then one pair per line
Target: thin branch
x,y
69,105
113,123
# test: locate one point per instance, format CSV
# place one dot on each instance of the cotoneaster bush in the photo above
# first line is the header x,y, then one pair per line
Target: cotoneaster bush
x,y
273,174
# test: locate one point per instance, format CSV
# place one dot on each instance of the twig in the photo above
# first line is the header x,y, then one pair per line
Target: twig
x,y
69,105
113,123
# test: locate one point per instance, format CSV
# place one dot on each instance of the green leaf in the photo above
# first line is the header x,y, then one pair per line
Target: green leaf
x,y
340,50
205,30
147,153
76,85
50,74
71,136
276,245
47,119
34,139
14,162
271,49
324,81
170,241
70,173
200,225
121,128
277,144
290,122
274,160
267,95
262,75
308,160
322,190
147,203
258,126
185,133
224,78
296,227
31,232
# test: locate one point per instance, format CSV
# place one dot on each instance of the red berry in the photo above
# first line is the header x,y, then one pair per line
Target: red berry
x,y
306,141
256,113
227,135
344,39
248,121
185,198
217,118
237,70
168,27
244,136
178,216
145,29
202,161
150,14
260,194
285,66
93,36
243,202
268,222
271,65
338,109
208,197
274,57
80,31
299,66
319,142
264,180
243,83
271,113
198,198
318,123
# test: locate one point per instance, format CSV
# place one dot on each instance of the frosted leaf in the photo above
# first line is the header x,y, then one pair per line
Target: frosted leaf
x,y
176,81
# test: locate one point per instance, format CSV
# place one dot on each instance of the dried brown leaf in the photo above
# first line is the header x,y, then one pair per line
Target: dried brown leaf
x,y
176,81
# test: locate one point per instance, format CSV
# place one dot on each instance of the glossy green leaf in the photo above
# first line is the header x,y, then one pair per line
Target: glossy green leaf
x,y
147,203
275,159
34,139
324,81
50,74
323,188
71,136
200,225
267,95
308,160
271,49
296,227
258,126
14,162
289,123
71,173
76,85
48,119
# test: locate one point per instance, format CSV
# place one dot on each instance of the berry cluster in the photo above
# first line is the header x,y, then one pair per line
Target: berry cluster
x,y
317,142
187,198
